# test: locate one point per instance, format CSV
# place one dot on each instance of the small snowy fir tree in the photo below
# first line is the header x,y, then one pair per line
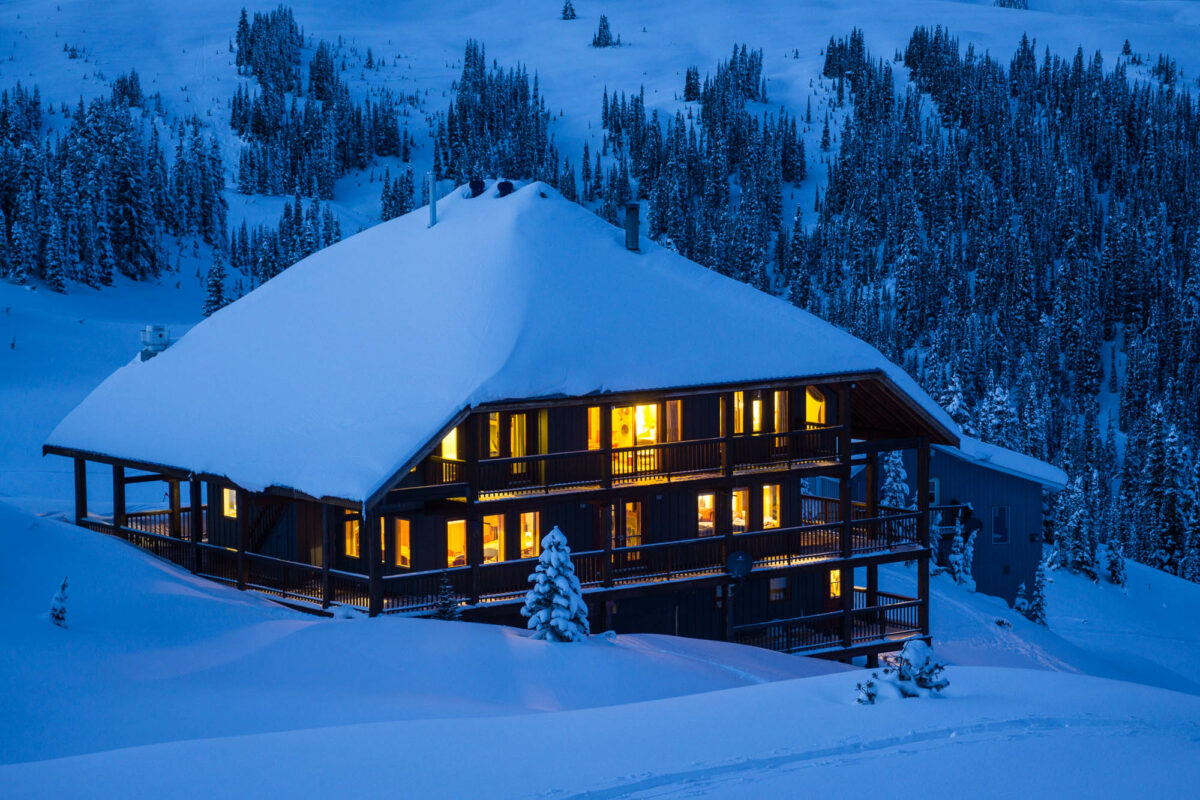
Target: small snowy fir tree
x,y
58,606
555,605
895,481
603,36
1116,564
447,604
1033,603
568,10
955,561
969,560
215,299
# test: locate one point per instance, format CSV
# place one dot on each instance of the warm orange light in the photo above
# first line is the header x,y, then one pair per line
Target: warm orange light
x,y
493,538
456,543
814,406
531,534
229,503
770,506
835,583
704,514
450,445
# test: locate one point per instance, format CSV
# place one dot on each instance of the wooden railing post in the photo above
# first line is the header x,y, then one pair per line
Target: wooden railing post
x,y
174,517
727,454
923,534
369,534
607,525
196,520
243,536
474,550
326,557
118,480
80,490
606,445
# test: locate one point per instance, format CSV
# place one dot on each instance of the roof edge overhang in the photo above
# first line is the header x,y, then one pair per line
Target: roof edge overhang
x,y
1049,485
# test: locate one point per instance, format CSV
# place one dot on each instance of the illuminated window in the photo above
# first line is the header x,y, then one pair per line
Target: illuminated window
x,y
778,589
401,549
739,412
781,412
741,509
705,514
593,440
229,503
814,406
493,538
635,425
835,583
633,524
516,435
756,415
531,539
350,536
770,506
494,435
456,543
673,411
450,444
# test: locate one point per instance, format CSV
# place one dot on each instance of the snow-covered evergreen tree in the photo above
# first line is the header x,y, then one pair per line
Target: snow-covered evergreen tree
x,y
1115,564
447,606
894,493
555,606
568,10
603,36
214,298
1032,603
58,606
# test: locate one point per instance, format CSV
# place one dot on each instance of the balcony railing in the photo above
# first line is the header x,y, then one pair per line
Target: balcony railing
x,y
667,461
892,617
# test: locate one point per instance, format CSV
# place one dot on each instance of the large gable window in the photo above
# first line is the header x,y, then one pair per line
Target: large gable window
x,y
814,406
450,445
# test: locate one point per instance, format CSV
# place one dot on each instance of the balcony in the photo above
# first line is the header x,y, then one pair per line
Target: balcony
x,y
584,470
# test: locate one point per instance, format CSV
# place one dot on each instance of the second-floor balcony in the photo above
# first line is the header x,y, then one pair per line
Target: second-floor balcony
x,y
583,470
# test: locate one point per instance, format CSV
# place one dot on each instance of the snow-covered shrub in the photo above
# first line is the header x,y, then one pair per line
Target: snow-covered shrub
x,y
867,692
447,604
1033,603
555,605
918,667
58,606
1116,564
969,560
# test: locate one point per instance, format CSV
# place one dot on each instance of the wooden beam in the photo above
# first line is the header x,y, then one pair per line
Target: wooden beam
x,y
606,445
81,509
243,536
369,534
326,557
923,534
118,482
474,550
884,445
175,518
196,520
846,511
608,527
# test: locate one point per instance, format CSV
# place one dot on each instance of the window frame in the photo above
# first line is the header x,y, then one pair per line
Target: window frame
x,y
1007,516
229,506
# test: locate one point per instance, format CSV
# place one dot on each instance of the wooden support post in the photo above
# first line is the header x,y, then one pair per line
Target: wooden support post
x,y
846,509
243,536
369,533
81,511
871,485
118,481
727,455
730,590
474,550
175,519
607,526
326,557
606,444
196,521
923,593
923,534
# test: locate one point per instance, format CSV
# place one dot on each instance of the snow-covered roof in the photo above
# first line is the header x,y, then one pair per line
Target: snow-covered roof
x,y
332,376
1008,461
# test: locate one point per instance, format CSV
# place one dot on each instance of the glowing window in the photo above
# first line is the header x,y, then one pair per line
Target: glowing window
x,y
741,509
593,440
531,539
450,444
635,425
739,412
674,420
778,589
770,506
835,583
814,406
516,435
350,538
756,412
705,514
781,412
493,435
493,538
401,549
456,543
229,503
633,524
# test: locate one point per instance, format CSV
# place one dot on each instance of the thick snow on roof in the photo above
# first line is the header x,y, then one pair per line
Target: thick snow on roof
x,y
1008,461
330,377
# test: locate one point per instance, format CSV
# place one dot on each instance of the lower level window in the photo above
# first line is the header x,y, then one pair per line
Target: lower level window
x,y
493,538
704,514
229,503
633,524
835,583
531,534
399,549
350,536
770,509
741,510
778,589
456,543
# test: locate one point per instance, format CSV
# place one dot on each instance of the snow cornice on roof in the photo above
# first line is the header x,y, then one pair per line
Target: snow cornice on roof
x,y
1007,461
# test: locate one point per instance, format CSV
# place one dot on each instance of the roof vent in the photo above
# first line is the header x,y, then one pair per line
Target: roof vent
x,y
476,187
632,210
155,339
505,188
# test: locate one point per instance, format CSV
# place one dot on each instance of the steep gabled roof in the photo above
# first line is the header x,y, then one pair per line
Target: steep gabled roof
x,y
330,377
1007,461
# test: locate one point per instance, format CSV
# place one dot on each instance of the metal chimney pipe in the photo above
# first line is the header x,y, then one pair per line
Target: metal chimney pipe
x,y
632,211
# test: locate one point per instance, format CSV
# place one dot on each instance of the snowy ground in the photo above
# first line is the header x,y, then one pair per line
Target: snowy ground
x,y
166,685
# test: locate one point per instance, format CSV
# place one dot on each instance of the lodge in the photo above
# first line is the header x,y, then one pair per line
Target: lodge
x,y
422,403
